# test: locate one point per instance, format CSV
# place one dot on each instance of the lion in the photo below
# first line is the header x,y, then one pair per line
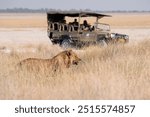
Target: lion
x,y
59,62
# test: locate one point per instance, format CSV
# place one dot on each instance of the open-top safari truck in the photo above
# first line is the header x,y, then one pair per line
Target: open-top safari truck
x,y
76,33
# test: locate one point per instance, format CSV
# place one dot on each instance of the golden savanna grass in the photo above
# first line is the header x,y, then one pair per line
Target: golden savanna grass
x,y
22,20
26,20
113,72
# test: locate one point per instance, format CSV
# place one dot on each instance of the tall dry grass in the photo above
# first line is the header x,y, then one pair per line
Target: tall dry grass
x,y
114,72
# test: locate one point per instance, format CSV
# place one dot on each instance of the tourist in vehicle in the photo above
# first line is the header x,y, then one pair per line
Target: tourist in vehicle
x,y
85,25
75,24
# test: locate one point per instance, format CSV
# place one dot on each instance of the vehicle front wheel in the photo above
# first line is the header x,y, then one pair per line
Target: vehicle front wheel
x,y
65,44
101,42
123,41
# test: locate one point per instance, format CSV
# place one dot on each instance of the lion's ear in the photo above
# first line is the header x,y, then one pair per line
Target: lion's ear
x,y
68,52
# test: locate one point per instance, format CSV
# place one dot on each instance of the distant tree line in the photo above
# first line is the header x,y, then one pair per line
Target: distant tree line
x,y
44,10
23,10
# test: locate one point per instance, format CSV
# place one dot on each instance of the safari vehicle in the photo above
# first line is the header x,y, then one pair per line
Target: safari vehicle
x,y
68,34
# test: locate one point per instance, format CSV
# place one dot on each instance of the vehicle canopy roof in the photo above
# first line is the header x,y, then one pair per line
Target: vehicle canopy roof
x,y
60,15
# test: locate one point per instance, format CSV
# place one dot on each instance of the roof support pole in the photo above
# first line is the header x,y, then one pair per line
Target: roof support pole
x,y
79,20
97,18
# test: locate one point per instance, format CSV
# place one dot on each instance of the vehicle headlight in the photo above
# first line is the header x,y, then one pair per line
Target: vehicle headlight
x,y
126,37
113,35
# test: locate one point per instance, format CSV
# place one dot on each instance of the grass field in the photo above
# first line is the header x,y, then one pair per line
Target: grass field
x,y
113,72
38,20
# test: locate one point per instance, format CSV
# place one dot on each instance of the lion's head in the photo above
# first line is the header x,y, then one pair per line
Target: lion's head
x,y
74,59
65,59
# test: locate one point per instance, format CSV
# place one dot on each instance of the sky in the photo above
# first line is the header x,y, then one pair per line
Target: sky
x,y
103,5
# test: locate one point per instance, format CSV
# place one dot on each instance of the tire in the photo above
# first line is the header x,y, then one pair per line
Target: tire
x,y
66,44
101,42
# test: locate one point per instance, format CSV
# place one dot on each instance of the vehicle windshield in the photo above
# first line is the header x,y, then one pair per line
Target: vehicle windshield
x,y
101,26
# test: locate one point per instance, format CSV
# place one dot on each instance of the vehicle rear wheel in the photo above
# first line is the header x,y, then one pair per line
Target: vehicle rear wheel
x,y
66,44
